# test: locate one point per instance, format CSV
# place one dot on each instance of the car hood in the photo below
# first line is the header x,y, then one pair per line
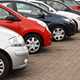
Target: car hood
x,y
56,18
67,14
7,32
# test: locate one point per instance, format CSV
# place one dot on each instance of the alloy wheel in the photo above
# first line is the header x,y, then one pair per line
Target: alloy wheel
x,y
33,44
58,34
1,67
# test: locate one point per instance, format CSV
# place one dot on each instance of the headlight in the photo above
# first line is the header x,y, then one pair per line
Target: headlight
x,y
39,22
67,20
16,41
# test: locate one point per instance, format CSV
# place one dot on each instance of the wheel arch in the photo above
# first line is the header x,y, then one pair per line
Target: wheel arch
x,y
76,24
42,40
7,55
53,25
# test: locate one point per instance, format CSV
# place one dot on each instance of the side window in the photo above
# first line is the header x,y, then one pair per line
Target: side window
x,y
3,13
58,6
70,3
10,5
7,4
78,2
27,9
36,3
44,7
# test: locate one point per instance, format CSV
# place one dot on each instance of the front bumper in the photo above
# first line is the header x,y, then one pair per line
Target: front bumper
x,y
78,24
47,38
70,29
19,56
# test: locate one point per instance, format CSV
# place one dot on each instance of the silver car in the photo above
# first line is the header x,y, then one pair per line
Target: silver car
x,y
13,52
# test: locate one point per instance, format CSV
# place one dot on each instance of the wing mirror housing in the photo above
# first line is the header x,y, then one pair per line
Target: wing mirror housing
x,y
12,18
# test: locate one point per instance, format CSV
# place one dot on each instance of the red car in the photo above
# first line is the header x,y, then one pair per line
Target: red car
x,y
73,5
75,8
34,32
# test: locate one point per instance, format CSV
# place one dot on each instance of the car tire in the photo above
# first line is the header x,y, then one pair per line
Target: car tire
x,y
33,42
4,65
59,33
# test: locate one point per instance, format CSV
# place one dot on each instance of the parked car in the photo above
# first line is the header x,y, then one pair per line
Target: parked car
x,y
31,29
48,8
74,5
60,26
13,51
63,7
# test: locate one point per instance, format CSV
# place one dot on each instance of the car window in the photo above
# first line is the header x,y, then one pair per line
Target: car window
x,y
70,3
78,2
57,6
3,13
45,7
10,5
42,6
28,9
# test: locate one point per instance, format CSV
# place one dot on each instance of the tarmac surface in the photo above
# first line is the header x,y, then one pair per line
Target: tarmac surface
x,y
61,61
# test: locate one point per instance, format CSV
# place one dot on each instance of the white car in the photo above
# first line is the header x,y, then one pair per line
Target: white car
x,y
13,52
48,8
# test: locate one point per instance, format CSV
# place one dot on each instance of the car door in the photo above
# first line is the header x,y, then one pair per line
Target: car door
x,y
14,25
31,11
28,10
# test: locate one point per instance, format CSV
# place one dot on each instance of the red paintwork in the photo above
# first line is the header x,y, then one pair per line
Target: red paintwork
x,y
75,8
25,26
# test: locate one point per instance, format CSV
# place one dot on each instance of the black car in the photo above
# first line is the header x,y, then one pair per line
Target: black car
x,y
60,26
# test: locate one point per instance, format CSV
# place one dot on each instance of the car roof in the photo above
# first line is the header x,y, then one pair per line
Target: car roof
x,y
35,1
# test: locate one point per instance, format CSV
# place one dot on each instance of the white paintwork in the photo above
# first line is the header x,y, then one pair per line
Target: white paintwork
x,y
17,53
71,16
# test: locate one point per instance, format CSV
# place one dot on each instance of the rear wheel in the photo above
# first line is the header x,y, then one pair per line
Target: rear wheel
x,y
33,42
58,34
4,65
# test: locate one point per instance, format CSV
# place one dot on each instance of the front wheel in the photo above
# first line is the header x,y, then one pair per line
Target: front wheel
x,y
58,34
33,42
4,65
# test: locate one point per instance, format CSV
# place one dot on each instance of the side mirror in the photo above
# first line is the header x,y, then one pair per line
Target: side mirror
x,y
41,15
12,18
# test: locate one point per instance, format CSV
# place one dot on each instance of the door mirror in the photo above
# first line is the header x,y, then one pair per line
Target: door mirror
x,y
12,18
41,15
